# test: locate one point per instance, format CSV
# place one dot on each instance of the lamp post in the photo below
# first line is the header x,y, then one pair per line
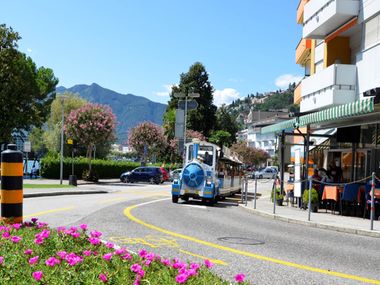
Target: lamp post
x,y
186,96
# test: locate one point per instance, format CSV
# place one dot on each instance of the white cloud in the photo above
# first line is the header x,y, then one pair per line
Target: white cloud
x,y
225,96
29,50
283,80
166,93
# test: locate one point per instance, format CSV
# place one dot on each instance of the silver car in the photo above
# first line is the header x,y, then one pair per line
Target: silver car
x,y
268,172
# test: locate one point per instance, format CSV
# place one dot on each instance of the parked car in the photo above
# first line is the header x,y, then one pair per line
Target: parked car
x,y
165,175
151,174
174,172
268,172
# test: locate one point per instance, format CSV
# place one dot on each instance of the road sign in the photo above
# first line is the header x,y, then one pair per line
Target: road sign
x,y
191,104
179,116
27,146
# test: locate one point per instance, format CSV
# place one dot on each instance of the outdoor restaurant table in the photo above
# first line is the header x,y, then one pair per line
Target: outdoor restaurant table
x,y
332,193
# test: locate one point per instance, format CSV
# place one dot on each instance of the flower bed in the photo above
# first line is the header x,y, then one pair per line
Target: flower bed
x,y
32,253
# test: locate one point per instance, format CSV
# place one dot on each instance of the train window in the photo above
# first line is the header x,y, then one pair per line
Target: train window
x,y
206,153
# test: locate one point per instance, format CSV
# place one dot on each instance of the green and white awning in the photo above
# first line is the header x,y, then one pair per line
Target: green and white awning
x,y
348,110
356,108
285,125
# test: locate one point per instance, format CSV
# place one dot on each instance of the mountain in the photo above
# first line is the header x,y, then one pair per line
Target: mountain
x,y
129,109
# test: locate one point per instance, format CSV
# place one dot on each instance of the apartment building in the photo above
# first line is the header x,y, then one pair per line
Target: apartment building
x,y
340,52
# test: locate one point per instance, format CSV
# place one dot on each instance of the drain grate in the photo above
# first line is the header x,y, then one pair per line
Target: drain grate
x,y
241,240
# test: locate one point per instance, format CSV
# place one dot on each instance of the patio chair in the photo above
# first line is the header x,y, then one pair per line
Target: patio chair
x,y
350,196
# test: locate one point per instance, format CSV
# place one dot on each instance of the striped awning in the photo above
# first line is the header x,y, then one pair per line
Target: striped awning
x,y
348,110
356,108
285,125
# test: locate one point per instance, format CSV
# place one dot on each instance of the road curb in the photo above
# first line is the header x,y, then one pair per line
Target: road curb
x,y
368,233
46,194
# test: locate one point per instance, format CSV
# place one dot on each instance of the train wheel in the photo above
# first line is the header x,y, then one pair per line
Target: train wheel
x,y
174,199
185,198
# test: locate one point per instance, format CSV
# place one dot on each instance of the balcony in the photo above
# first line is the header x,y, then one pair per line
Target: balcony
x,y
321,17
303,51
300,10
334,85
297,94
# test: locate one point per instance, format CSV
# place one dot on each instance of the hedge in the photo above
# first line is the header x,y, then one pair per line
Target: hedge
x,y
50,167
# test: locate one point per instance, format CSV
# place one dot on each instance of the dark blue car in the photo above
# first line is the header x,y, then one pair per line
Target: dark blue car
x,y
149,174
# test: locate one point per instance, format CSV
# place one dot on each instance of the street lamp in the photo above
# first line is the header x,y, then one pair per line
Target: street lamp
x,y
186,96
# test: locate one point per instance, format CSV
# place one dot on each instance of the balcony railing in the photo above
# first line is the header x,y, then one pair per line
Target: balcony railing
x,y
321,17
334,85
300,10
303,51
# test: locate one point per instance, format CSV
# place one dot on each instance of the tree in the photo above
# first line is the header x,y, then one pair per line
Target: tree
x,y
250,155
220,138
26,91
91,125
147,139
52,134
226,122
191,134
196,80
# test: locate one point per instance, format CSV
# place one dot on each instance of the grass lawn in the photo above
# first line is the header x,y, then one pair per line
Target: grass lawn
x,y
47,186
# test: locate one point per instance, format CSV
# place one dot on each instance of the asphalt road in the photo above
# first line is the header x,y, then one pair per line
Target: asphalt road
x,y
267,251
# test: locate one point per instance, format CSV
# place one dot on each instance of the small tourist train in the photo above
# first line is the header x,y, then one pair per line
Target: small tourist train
x,y
209,173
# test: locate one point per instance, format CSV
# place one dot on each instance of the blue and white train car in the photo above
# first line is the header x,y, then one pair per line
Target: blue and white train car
x,y
209,173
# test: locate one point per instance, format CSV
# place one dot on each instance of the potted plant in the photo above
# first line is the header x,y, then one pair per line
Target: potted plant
x,y
279,197
314,200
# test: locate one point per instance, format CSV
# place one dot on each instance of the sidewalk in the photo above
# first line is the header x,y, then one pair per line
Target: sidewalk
x,y
293,214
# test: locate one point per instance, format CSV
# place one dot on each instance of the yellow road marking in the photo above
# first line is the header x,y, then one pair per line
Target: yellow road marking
x,y
216,261
128,213
48,212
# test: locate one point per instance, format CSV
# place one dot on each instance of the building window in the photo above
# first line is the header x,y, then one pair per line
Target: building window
x,y
372,32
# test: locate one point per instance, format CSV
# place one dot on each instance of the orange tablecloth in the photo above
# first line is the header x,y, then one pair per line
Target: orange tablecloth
x,y
377,193
330,193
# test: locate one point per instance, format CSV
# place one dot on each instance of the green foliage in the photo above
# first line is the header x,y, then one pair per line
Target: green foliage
x,y
196,80
314,196
50,167
279,196
26,91
220,138
227,123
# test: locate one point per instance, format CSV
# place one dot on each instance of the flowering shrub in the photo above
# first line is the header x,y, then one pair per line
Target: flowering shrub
x,y
32,253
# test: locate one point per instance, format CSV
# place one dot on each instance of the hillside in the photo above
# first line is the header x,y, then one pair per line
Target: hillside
x,y
269,101
129,109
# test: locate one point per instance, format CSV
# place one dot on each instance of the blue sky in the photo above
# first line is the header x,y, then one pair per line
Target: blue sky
x,y
142,47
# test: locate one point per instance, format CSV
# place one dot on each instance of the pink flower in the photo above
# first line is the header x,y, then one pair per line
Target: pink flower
x,y
208,263
120,251
103,277
142,253
37,275
94,241
34,220
17,226
127,256
28,252
83,227
62,254
181,278
16,239
96,234
107,256
51,261
87,252
136,267
165,262
33,260
1,259
6,235
239,278
110,245
39,241
141,273
194,266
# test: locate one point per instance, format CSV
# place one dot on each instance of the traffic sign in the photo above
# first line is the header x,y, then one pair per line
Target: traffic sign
x,y
27,146
191,104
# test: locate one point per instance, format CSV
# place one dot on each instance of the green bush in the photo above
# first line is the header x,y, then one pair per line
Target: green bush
x,y
314,196
279,196
50,167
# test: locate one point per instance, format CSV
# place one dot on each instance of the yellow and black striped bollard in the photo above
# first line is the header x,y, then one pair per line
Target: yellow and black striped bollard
x,y
11,185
